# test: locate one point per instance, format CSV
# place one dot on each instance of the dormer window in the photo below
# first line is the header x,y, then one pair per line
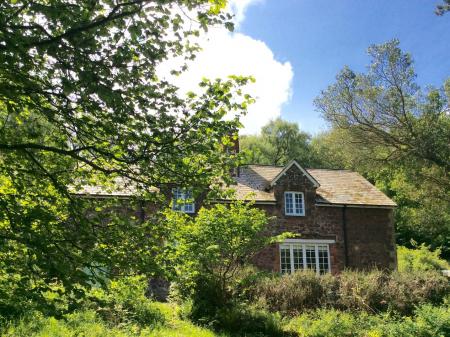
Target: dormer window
x,y
294,203
183,200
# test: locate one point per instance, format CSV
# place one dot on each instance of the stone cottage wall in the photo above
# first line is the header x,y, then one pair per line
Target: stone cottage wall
x,y
369,231
370,237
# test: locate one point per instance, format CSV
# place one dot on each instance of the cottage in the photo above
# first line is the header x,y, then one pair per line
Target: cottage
x,y
341,219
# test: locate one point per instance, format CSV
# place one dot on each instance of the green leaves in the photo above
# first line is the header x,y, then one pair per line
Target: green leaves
x,y
216,242
397,135
280,141
81,108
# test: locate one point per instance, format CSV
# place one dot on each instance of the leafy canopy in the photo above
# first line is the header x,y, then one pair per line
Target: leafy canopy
x,y
215,243
81,105
279,142
387,128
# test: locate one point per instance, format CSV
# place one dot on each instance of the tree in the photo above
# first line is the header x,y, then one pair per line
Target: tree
x,y
81,105
443,8
386,108
213,245
280,141
399,136
420,258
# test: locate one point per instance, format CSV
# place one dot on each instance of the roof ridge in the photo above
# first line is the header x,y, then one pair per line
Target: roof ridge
x,y
264,165
329,169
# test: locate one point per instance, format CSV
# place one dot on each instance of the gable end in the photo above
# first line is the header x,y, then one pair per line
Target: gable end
x,y
287,167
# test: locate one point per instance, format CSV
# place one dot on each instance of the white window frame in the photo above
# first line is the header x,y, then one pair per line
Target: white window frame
x,y
179,197
302,243
294,206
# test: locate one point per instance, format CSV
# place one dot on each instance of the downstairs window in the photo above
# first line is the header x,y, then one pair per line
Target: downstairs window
x,y
304,254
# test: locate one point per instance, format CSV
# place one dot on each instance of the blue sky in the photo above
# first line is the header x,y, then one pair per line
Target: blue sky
x,y
318,37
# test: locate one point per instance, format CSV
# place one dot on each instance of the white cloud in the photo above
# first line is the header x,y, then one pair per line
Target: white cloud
x,y
238,8
226,53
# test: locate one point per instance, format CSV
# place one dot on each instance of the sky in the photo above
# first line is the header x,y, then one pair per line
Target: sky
x,y
295,48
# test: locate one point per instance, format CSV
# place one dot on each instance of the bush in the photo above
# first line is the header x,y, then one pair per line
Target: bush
x,y
294,293
404,291
420,258
84,323
328,323
206,301
428,321
124,302
244,320
362,291
374,291
207,307
88,323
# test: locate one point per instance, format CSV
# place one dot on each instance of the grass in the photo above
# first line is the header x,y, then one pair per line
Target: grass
x,y
428,321
88,324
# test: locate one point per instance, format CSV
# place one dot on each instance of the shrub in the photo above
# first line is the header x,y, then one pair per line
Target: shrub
x,y
243,283
329,323
428,321
293,293
420,258
206,301
373,291
243,320
212,246
404,291
124,301
362,291
83,323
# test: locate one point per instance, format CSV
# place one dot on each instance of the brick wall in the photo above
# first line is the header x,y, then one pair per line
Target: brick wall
x,y
370,238
369,231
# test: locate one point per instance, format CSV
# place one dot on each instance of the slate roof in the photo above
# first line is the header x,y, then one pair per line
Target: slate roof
x,y
336,186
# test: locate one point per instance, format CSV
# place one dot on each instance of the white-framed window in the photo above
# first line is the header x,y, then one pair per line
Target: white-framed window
x,y
183,200
305,254
294,203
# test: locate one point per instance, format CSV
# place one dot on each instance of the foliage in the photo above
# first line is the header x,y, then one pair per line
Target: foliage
x,y
244,320
428,321
386,108
81,106
279,142
88,323
208,253
363,291
420,258
328,323
215,243
371,292
294,293
124,302
443,7
395,134
405,291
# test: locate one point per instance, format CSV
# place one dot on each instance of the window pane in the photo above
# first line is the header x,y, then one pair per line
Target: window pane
x,y
182,200
176,199
285,259
298,257
323,258
289,204
298,203
310,251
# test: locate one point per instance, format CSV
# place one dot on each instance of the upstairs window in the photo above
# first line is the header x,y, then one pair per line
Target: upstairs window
x,y
183,200
294,203
305,255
